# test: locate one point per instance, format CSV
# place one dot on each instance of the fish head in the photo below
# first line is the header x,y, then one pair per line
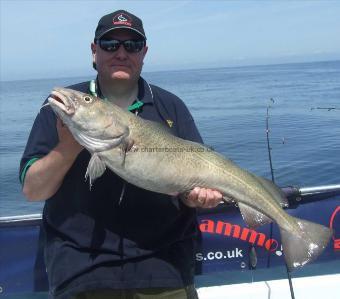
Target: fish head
x,y
79,109
93,122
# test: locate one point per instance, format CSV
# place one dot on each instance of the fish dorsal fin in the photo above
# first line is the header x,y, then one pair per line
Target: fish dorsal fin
x,y
252,217
95,169
277,194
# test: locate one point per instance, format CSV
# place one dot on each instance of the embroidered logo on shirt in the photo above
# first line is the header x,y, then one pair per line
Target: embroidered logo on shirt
x,y
170,122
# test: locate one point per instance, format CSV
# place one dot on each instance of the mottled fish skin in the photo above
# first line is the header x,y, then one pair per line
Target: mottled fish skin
x,y
147,155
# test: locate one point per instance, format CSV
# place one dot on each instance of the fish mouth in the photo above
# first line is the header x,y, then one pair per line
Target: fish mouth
x,y
62,102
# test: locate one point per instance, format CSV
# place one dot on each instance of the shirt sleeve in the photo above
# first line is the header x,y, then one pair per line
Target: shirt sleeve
x,y
42,139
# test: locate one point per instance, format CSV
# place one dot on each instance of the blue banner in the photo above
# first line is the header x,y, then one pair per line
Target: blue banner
x,y
226,244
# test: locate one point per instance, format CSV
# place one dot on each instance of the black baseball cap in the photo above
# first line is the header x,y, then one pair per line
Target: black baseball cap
x,y
117,20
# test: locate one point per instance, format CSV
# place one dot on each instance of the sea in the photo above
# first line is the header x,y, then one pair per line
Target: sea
x,y
232,107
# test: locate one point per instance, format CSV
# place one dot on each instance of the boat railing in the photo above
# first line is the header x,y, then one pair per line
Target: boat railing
x,y
295,195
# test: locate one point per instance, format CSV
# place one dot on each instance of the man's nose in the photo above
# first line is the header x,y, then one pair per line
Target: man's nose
x,y
121,52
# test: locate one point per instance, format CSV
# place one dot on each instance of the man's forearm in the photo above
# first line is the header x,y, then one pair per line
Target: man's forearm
x,y
45,176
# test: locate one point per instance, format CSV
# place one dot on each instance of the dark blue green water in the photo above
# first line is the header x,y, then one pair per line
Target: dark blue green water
x,y
229,106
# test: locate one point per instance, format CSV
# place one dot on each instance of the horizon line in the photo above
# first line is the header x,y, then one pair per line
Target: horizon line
x,y
184,69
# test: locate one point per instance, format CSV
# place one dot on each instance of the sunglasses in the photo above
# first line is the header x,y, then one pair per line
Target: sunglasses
x,y
130,45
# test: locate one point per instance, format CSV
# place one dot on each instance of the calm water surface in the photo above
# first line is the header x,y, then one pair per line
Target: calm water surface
x,y
229,107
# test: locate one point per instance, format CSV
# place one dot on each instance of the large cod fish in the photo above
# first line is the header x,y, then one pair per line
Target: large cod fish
x,y
147,155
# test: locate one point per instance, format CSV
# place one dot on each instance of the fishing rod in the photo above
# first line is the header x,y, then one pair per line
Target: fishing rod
x,y
268,142
252,250
273,180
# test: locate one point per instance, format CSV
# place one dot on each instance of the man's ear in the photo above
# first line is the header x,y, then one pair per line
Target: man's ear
x,y
145,50
93,50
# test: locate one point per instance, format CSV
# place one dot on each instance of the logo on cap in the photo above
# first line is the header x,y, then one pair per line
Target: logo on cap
x,y
122,19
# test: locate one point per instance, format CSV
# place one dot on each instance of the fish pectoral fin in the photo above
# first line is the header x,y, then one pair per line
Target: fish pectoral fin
x,y
252,217
126,147
305,243
95,168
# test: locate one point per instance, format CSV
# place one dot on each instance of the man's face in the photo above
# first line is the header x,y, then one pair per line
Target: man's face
x,y
119,65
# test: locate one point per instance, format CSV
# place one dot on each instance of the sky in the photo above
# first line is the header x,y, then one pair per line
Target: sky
x,y
49,39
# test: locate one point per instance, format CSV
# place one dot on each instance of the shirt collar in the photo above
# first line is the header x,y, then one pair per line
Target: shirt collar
x,y
144,91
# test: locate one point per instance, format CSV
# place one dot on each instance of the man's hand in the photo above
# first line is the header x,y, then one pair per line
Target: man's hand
x,y
45,176
67,143
202,198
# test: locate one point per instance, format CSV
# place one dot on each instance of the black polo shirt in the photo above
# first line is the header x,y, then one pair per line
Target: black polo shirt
x,y
93,241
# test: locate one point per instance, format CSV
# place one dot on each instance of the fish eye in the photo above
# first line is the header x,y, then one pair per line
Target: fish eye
x,y
87,99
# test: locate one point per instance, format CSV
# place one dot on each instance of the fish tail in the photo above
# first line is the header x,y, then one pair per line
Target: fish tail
x,y
306,245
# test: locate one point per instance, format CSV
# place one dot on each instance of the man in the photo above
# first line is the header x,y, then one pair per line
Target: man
x,y
115,240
